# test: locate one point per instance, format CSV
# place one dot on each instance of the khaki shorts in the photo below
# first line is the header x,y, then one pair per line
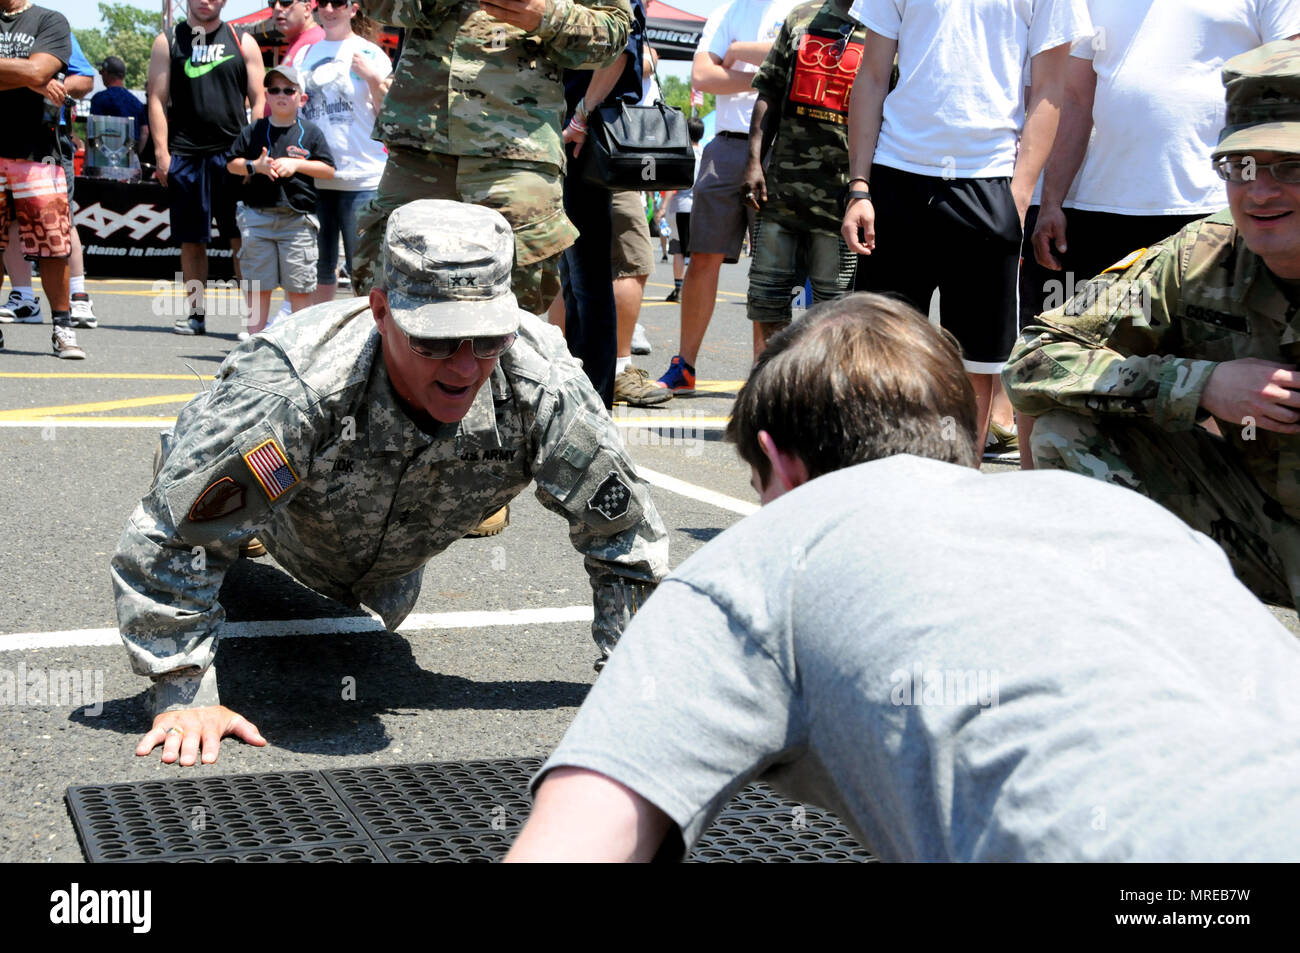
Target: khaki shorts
x,y
278,248
631,254
528,194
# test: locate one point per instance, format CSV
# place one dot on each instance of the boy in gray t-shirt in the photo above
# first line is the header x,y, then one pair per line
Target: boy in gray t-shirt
x,y
841,645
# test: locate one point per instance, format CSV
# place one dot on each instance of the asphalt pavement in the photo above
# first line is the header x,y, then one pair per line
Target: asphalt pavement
x,y
492,663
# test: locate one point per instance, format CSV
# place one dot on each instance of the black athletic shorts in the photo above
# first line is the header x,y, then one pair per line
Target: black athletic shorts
x,y
1095,241
961,236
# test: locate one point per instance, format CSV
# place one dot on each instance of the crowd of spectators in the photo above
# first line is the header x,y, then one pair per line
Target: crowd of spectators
x,y
1054,169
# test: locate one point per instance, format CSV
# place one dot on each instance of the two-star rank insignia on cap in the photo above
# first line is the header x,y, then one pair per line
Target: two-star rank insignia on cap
x,y
611,498
271,468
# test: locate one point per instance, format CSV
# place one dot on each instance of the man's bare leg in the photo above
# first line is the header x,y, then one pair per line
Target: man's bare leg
x,y
983,384
194,272
54,282
1025,430
555,313
699,293
763,332
1003,414
628,294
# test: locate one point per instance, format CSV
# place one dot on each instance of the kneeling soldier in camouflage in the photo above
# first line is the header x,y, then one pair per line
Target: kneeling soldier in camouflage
x,y
357,442
1202,325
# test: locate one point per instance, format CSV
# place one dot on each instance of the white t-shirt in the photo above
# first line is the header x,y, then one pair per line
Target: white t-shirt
x,y
1159,103
339,102
742,21
958,108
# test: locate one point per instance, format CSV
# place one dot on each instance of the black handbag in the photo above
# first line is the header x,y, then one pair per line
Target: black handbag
x,y
638,148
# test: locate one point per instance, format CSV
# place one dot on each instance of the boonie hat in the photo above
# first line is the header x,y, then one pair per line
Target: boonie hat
x,y
447,270
1263,97
288,72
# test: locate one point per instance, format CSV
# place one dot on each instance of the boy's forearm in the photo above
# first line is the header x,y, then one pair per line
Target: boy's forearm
x,y
317,169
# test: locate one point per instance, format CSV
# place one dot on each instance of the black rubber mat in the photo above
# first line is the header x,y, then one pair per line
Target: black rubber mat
x,y
451,811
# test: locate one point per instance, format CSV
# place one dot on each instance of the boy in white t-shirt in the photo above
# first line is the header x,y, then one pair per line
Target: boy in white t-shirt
x,y
942,172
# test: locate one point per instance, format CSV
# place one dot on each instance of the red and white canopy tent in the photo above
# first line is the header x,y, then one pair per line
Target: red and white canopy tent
x,y
672,32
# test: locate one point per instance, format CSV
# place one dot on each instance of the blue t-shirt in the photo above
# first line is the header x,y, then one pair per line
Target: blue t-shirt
x,y
119,101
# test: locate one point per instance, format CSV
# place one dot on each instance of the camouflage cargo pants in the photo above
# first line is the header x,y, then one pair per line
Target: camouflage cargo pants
x,y
528,194
1195,475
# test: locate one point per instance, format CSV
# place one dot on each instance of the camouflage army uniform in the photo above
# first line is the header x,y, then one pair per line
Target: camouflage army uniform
x,y
1115,378
302,442
806,80
474,115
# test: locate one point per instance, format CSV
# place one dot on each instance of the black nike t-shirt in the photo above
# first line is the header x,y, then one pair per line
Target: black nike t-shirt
x,y
34,30
302,140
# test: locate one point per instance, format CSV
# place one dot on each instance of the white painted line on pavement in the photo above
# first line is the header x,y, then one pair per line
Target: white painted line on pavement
x,y
682,488
338,625
59,423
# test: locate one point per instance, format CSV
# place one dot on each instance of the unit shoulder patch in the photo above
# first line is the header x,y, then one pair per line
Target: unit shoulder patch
x,y
221,498
611,498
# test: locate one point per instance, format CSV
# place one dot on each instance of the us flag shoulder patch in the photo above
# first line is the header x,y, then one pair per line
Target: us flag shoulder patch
x,y
271,469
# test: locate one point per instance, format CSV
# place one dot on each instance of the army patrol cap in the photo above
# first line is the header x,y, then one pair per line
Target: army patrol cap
x,y
447,270
1263,94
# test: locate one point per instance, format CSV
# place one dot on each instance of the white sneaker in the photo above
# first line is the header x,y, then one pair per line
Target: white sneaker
x,y
640,343
83,314
19,309
65,344
242,336
284,312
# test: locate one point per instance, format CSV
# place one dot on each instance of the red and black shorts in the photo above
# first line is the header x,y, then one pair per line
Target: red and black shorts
x,y
36,195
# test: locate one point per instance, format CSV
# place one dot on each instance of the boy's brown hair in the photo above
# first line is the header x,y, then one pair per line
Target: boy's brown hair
x,y
859,378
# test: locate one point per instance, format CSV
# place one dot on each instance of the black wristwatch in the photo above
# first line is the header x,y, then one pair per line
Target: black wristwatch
x,y
857,194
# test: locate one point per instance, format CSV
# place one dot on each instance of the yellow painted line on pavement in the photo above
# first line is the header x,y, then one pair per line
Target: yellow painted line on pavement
x,y
43,413
102,423
34,375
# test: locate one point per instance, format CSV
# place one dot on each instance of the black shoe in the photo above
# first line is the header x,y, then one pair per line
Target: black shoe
x,y
196,324
674,295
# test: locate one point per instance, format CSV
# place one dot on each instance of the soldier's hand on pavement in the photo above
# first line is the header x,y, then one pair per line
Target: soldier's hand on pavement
x,y
1049,236
1266,391
525,14
860,214
185,733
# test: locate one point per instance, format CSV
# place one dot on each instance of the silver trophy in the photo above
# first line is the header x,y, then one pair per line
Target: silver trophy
x,y
112,148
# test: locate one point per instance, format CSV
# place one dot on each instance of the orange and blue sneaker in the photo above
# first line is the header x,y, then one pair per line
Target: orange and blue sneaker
x,y
680,378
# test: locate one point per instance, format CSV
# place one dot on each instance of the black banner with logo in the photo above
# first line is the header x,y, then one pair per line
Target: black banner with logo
x,y
125,232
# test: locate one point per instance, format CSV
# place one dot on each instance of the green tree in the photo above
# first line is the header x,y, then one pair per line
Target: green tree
x,y
677,92
128,33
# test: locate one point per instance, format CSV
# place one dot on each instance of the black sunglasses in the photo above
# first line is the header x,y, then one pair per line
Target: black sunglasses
x,y
281,90
438,349
335,3
286,4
